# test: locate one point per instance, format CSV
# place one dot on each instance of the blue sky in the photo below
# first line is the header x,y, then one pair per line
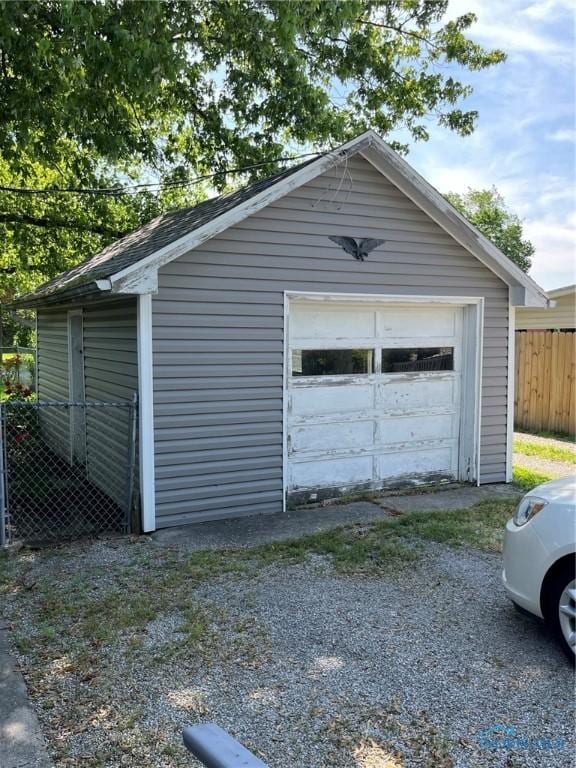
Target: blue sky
x,y
525,139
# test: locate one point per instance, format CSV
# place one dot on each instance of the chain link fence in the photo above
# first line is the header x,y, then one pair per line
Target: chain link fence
x,y
68,469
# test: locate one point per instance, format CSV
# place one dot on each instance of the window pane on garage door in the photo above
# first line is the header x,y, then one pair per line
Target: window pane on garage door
x,y
417,359
332,362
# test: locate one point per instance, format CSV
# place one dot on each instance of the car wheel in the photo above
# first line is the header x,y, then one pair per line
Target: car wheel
x,y
561,610
567,616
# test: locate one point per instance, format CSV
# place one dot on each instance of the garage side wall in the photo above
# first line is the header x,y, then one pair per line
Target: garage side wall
x,y
52,381
110,375
218,334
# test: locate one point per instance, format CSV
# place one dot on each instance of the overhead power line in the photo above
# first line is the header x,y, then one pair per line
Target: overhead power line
x,y
131,188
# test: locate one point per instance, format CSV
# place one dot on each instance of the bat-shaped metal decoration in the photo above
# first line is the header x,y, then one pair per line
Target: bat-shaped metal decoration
x,y
358,248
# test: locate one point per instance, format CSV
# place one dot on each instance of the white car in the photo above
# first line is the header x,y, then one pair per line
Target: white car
x,y
540,557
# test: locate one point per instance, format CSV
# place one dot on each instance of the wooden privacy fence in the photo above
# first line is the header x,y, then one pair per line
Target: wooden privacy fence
x,y
545,381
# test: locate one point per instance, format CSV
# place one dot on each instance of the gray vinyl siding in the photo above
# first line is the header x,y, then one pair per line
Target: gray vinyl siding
x,y
218,334
52,377
110,375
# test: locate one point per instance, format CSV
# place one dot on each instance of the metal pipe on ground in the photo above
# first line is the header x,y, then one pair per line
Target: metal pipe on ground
x,y
215,748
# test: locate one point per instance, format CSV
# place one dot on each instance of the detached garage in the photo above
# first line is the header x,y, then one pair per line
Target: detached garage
x,y
338,326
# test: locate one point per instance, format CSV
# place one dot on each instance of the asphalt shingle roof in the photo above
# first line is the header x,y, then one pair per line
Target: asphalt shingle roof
x,y
148,239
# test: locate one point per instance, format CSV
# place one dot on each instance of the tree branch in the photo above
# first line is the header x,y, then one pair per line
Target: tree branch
x,y
47,223
401,31
23,321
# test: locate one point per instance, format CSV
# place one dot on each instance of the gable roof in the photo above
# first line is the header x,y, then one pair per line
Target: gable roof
x,y
167,228
130,265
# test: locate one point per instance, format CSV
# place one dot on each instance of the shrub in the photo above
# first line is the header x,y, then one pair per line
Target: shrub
x,y
17,392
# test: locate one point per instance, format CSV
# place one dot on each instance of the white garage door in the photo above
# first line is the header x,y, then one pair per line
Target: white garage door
x,y
374,394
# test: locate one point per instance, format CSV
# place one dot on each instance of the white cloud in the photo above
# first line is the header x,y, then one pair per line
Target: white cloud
x,y
520,145
549,10
522,40
554,263
563,134
510,25
456,179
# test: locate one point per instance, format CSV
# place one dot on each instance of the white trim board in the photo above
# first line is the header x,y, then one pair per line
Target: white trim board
x,y
511,390
473,338
566,290
398,298
76,388
285,369
146,413
141,277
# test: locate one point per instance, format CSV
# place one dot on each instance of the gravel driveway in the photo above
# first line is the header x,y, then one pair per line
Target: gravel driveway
x,y
309,668
415,667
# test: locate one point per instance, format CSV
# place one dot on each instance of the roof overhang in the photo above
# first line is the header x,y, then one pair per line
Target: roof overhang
x,y
74,294
135,278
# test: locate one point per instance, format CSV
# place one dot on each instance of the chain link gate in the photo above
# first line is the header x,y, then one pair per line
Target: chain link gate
x,y
68,469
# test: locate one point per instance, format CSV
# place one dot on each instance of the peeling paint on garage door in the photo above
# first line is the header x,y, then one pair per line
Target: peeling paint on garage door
x,y
374,395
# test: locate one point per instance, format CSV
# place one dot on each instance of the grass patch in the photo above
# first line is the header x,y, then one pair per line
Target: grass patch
x,y
480,527
359,549
381,547
351,548
551,452
526,479
115,612
567,436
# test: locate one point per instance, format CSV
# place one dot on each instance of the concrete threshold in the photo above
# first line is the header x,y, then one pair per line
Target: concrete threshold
x,y
263,529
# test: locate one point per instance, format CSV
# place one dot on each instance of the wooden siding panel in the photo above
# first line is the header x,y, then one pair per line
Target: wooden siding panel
x,y
218,334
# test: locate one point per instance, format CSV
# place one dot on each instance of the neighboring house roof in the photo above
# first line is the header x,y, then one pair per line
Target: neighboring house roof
x,y
561,315
564,291
130,265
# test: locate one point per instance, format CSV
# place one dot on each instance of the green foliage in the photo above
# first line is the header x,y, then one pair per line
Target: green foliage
x,y
487,210
11,367
215,80
95,94
14,333
44,235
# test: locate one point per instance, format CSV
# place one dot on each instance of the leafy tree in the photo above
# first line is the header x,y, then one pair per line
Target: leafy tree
x,y
44,234
487,210
210,81
96,94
